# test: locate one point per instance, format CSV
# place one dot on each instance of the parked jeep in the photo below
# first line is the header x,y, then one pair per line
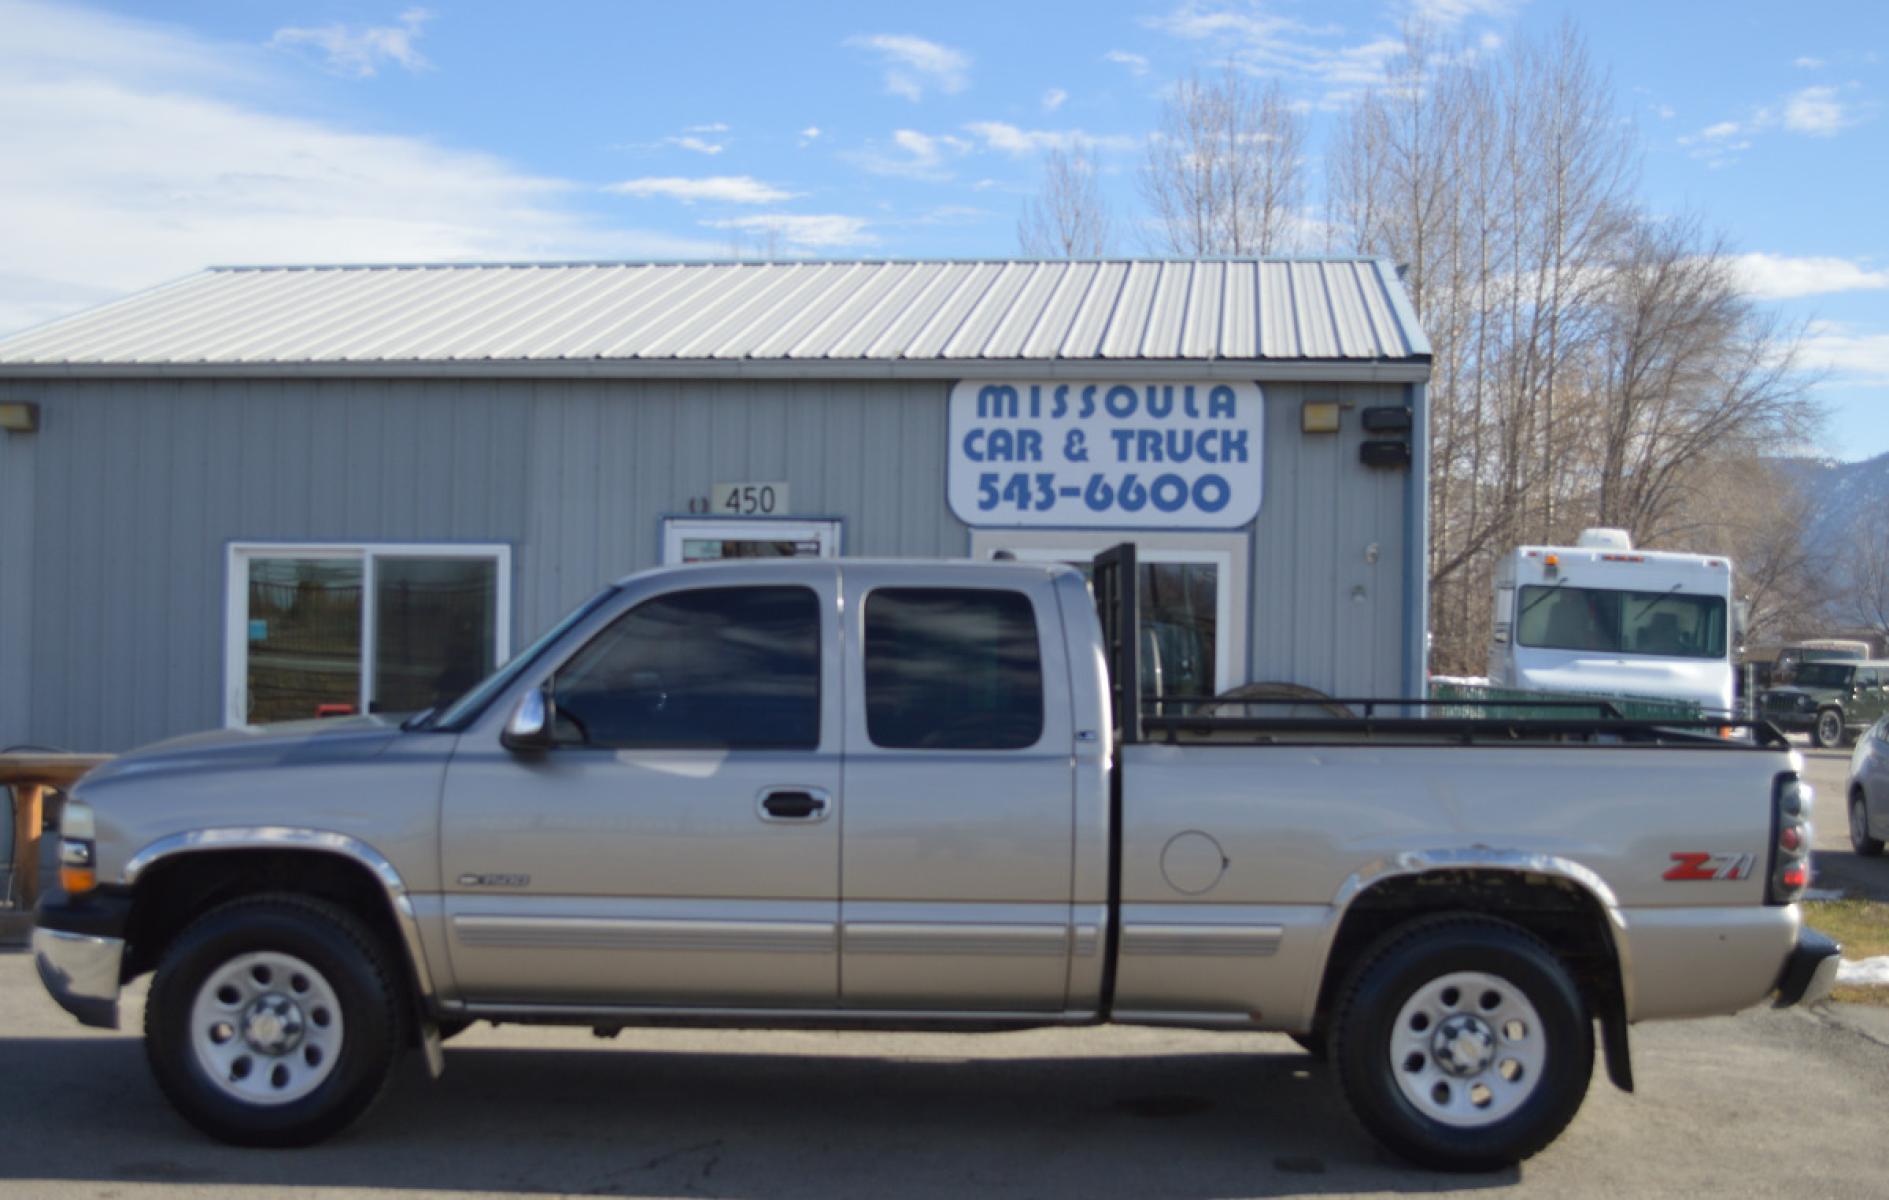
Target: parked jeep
x,y
1831,701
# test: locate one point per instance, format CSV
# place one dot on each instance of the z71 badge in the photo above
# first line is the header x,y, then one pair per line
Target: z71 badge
x,y
503,881
1697,865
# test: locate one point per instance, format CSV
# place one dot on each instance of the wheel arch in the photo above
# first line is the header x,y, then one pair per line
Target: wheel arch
x,y
1557,899
178,877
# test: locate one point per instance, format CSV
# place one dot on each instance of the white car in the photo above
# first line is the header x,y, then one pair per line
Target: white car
x,y
1869,790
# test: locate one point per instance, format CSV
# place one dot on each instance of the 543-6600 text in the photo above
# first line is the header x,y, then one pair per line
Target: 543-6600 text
x,y
1040,491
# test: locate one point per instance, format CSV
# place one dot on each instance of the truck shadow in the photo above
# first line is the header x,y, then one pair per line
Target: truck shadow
x,y
635,1123
1849,872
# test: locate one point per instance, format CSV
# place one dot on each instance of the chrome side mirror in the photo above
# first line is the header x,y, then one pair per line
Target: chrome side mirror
x,y
530,728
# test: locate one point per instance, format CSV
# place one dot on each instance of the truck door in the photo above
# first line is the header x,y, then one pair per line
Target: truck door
x,y
679,845
956,851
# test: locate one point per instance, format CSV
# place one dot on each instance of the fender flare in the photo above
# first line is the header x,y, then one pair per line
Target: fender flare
x,y
285,837
1412,863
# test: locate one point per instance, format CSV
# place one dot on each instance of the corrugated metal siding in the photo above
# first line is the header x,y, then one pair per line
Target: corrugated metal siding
x,y
1326,309
124,502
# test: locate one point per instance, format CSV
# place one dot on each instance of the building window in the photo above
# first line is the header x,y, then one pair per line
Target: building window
x,y
1191,588
333,630
704,669
710,539
952,669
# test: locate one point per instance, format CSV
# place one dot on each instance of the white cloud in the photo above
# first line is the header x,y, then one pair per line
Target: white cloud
x,y
138,153
1053,99
802,231
1808,63
361,52
1816,111
725,189
1008,139
1849,354
1665,112
1137,64
699,145
1782,277
1720,131
809,136
1446,14
913,64
921,156
712,127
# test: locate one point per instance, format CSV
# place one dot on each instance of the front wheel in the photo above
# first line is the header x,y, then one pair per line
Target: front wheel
x,y
1860,841
1462,1044
274,1021
1828,731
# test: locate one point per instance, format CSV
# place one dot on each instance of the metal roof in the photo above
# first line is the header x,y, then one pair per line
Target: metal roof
x,y
822,318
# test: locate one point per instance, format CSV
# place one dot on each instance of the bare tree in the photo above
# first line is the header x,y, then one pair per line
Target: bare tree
x,y
1068,218
1224,172
1589,365
1866,588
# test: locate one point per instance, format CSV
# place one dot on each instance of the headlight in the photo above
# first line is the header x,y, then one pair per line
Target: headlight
x,y
78,849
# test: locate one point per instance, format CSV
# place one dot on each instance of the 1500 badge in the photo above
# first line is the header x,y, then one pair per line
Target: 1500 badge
x,y
502,881
1695,865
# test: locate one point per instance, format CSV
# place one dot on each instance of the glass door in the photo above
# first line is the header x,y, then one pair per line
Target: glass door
x,y
709,539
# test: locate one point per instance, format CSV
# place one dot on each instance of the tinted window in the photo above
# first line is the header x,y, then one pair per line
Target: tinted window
x,y
952,669
733,668
1559,617
1825,675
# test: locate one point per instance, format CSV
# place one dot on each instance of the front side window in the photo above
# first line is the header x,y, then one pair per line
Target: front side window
x,y
1611,621
952,669
710,668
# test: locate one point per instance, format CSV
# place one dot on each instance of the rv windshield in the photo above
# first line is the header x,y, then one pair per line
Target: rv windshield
x,y
1663,624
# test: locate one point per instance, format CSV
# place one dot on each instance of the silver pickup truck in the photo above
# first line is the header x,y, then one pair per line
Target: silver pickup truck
x,y
901,795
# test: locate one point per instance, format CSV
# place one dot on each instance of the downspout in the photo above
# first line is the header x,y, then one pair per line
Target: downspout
x,y
1416,672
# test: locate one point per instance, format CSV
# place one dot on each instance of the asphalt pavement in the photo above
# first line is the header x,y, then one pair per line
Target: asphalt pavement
x,y
1766,1103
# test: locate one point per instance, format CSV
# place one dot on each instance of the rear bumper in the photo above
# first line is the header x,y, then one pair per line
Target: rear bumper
x,y
1810,971
79,951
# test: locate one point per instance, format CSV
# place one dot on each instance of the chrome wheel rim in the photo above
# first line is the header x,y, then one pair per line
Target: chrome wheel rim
x,y
1859,823
1468,1049
1829,729
266,1028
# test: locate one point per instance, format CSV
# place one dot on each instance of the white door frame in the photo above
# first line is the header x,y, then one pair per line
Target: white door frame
x,y
236,604
1226,551
759,529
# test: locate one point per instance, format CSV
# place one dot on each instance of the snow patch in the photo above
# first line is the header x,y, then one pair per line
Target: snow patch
x,y
1824,893
1865,971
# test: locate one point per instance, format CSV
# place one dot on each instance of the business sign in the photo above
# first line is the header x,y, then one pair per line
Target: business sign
x,y
1107,455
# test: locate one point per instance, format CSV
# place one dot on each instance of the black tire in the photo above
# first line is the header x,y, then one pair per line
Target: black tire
x,y
348,963
1860,841
1394,978
1827,731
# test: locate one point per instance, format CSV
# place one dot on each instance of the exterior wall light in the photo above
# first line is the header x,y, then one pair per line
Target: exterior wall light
x,y
19,416
1318,416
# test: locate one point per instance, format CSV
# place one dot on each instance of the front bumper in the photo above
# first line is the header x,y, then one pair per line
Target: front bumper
x,y
79,950
1791,722
1810,971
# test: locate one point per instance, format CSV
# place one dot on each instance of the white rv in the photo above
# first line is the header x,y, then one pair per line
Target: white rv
x,y
1601,618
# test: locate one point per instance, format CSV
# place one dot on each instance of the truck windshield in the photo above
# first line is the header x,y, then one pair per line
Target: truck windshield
x,y
1663,624
1824,674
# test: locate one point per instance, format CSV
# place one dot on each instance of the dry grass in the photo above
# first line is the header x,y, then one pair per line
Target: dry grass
x,y
1863,928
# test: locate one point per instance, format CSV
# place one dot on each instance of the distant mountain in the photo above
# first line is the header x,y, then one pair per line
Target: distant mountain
x,y
1842,495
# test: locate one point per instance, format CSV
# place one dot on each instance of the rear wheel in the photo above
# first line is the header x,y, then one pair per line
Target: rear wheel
x,y
1462,1044
1828,731
1860,840
274,1021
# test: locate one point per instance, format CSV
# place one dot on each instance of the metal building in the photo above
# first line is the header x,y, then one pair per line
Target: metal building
x,y
263,493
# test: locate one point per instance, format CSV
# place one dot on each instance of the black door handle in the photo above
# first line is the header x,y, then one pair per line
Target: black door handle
x,y
793,805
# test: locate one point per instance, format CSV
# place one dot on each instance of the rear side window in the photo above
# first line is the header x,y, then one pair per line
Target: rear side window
x,y
952,669
711,668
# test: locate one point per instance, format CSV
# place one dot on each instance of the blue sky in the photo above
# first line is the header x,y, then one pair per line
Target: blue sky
x,y
148,140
